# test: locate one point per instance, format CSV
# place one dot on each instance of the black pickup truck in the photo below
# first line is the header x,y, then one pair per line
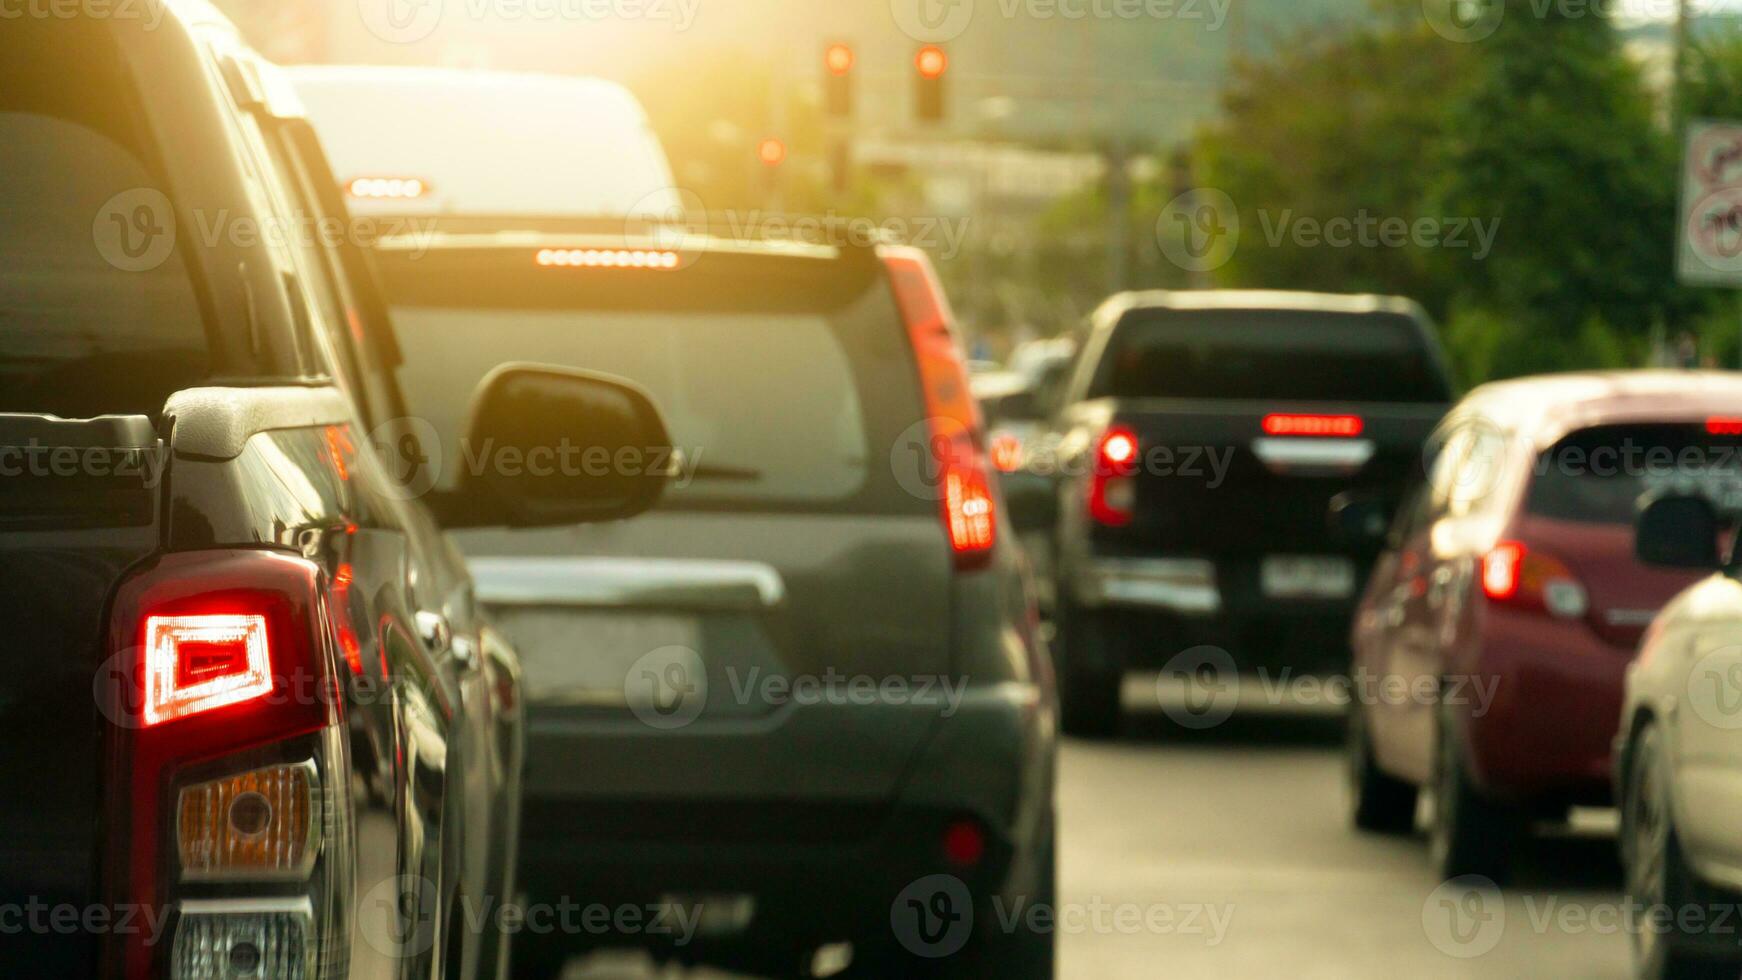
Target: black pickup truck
x,y
1226,464
253,722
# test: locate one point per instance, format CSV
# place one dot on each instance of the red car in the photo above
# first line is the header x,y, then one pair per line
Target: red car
x,y
1490,646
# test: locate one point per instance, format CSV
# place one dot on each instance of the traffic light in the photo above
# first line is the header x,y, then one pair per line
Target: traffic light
x,y
772,152
932,63
838,60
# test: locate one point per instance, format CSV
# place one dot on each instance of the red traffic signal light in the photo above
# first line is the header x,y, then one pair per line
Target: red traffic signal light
x,y
932,62
929,102
838,59
771,151
838,62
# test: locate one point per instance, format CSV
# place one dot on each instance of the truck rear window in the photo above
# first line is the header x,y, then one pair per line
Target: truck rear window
x,y
97,312
1598,475
1270,355
785,381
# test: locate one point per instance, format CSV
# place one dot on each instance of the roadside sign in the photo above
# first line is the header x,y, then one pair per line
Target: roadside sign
x,y
1709,241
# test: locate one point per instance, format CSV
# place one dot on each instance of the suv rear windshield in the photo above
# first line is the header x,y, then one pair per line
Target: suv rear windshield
x,y
1278,355
97,312
1597,475
785,381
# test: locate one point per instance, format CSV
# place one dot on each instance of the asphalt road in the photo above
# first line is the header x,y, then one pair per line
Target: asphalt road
x,y
1227,852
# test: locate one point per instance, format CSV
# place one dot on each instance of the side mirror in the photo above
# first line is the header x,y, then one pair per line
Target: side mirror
x,y
1679,532
1360,518
560,446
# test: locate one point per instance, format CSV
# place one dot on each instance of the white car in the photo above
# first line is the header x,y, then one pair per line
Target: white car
x,y
1679,756
390,134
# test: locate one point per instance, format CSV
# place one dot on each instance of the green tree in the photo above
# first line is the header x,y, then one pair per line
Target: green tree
x,y
1338,124
1555,137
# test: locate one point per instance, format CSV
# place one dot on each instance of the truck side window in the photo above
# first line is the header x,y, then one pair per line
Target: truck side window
x,y
98,313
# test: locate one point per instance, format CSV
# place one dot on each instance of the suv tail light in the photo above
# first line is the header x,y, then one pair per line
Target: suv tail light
x,y
968,509
1515,575
1113,484
225,712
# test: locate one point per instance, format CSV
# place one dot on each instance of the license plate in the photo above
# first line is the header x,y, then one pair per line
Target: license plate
x,y
1308,577
583,657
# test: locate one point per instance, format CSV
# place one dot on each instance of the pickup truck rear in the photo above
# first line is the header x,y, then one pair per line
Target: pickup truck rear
x,y
1226,465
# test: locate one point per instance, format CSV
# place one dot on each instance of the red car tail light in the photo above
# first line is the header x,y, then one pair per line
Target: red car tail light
x,y
201,663
966,501
1515,575
1724,426
224,709
1112,485
1322,426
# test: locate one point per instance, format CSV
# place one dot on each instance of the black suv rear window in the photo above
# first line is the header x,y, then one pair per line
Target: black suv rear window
x,y
1598,475
786,381
97,313
1277,355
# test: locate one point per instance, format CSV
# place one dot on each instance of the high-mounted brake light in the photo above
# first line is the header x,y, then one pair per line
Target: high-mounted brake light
x,y
200,663
605,258
387,188
1515,575
1323,426
1724,426
1112,485
969,513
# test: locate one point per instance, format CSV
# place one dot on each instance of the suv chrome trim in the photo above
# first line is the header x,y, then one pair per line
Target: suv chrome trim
x,y
615,583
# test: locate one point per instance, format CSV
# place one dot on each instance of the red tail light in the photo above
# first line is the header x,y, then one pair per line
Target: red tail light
x,y
200,663
1515,575
1322,426
1113,485
969,513
1724,426
224,667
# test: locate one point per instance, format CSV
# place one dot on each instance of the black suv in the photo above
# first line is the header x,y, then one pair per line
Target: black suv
x,y
802,702
252,721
